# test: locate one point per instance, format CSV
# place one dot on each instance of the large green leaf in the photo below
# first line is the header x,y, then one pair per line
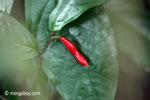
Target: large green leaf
x,y
13,34
131,28
6,5
68,10
37,15
19,60
93,36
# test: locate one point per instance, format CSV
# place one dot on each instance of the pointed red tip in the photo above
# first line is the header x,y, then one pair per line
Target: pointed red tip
x,y
85,64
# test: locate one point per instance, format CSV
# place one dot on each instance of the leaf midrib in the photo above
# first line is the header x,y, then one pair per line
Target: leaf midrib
x,y
62,10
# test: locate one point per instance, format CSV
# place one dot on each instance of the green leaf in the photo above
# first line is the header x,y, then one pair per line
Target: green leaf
x,y
19,60
13,34
132,32
68,10
6,5
37,16
93,36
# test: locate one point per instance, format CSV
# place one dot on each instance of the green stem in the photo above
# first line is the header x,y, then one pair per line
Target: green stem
x,y
49,41
55,37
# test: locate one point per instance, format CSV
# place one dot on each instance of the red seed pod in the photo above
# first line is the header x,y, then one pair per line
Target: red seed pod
x,y
73,50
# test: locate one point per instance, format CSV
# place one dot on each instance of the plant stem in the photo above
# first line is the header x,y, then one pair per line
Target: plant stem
x,y
49,41
55,37
40,64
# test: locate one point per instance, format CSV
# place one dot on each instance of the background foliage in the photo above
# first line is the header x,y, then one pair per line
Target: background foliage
x,y
130,22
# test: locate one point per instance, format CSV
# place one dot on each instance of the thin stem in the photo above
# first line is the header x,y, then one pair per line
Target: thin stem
x,y
55,37
49,41
41,54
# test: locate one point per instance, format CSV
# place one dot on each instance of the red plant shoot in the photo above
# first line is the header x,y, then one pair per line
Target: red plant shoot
x,y
73,50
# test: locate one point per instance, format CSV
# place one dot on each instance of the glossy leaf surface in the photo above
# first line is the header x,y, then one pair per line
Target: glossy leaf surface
x,y
37,15
94,38
67,11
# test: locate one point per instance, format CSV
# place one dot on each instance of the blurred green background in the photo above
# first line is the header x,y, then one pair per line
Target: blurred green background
x,y
130,20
